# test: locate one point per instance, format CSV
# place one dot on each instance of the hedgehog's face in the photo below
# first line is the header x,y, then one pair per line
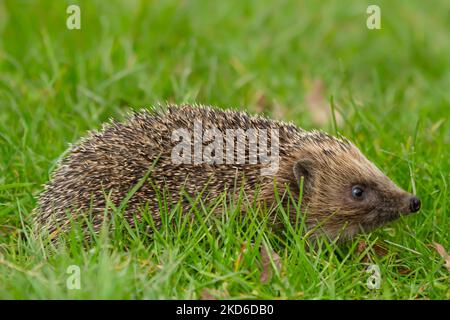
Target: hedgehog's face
x,y
346,194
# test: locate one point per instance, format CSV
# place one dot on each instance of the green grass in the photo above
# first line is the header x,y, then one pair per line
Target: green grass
x,y
390,85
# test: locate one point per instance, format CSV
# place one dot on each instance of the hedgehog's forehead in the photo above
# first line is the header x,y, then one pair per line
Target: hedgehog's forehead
x,y
340,155
351,164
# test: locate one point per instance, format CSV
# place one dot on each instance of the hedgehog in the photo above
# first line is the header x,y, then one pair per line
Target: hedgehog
x,y
193,149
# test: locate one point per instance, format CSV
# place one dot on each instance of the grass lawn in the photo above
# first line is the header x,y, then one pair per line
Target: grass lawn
x,y
286,59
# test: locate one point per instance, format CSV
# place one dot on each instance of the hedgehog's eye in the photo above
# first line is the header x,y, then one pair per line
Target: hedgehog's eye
x,y
357,192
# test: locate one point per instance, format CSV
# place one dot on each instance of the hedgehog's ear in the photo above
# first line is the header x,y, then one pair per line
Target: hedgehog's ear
x,y
303,168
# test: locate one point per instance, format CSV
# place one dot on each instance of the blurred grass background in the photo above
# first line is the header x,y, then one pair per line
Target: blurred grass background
x,y
283,58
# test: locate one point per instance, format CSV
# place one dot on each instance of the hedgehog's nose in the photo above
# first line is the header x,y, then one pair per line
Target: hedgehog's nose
x,y
414,204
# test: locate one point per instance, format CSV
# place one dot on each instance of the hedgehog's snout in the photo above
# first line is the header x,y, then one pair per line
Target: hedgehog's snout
x,y
414,204
411,204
